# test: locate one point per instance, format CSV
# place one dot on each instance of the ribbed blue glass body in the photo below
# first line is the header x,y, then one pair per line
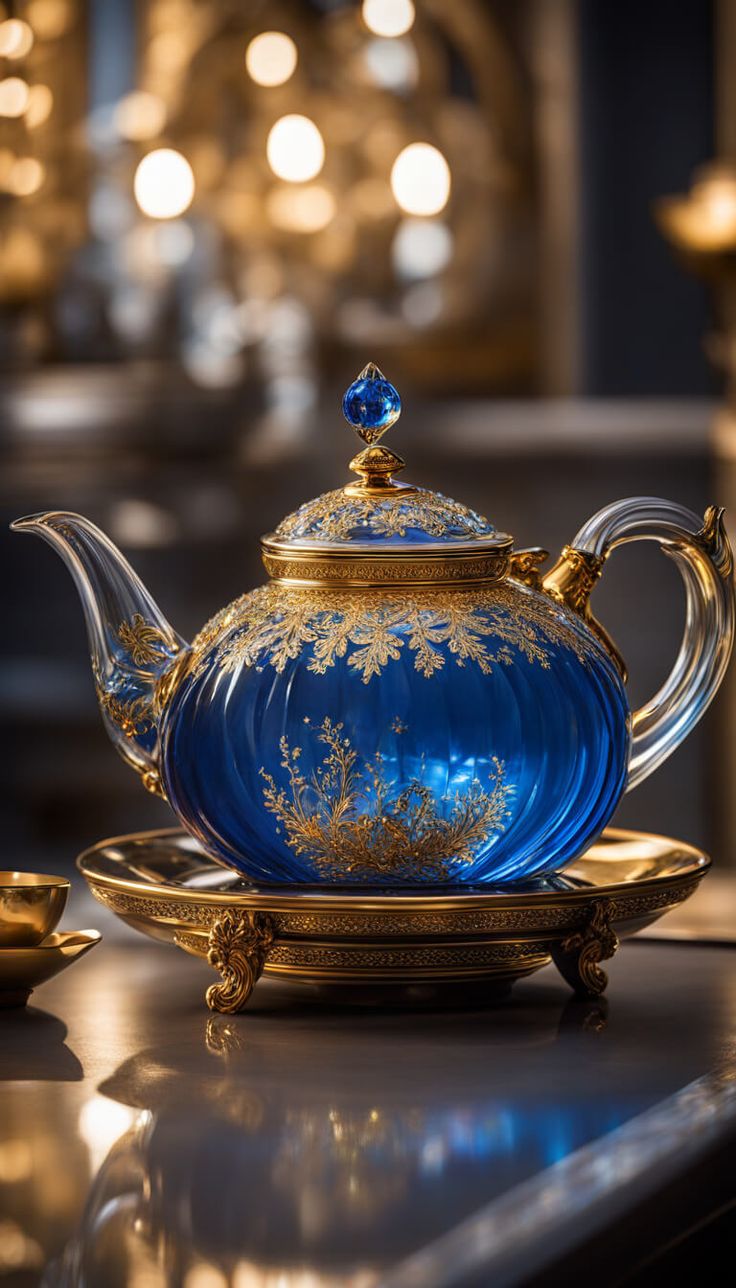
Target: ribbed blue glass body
x,y
428,741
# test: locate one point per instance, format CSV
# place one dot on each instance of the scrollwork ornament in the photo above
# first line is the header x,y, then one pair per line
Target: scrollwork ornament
x,y
238,946
578,956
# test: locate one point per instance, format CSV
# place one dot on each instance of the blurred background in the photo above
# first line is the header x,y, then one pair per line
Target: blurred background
x,y
214,212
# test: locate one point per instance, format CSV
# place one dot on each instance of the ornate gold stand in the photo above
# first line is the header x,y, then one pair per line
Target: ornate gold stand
x,y
368,942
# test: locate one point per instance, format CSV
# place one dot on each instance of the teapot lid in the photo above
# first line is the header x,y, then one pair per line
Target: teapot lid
x,y
376,531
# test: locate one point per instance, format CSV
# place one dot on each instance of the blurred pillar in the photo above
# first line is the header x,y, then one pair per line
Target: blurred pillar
x,y
724,441
112,51
553,49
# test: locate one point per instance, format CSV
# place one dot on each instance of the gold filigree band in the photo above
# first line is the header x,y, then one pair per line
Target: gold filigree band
x,y
458,565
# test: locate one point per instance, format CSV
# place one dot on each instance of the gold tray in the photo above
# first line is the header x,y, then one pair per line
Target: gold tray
x,y
163,884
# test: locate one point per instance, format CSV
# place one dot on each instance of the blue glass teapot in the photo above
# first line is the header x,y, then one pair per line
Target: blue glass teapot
x,y
408,702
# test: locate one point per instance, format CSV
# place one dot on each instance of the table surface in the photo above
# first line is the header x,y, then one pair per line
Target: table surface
x,y
146,1142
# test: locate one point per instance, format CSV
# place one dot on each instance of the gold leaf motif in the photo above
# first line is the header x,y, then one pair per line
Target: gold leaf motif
x,y
483,627
144,642
352,822
337,516
132,716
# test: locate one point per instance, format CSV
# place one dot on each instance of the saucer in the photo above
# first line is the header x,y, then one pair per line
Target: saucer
x,y
163,884
23,969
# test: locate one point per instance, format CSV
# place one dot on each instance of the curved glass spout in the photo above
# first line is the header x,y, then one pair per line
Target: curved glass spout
x,y
131,643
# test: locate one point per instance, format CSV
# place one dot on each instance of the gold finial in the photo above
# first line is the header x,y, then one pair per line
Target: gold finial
x,y
371,405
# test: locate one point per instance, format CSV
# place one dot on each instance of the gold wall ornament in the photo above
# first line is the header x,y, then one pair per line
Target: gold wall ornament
x,y
351,822
579,955
145,643
482,627
237,947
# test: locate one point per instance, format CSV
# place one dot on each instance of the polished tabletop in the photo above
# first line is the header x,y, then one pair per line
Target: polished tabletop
x,y
146,1142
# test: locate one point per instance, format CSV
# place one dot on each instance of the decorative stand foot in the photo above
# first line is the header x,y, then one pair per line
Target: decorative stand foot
x,y
237,947
577,957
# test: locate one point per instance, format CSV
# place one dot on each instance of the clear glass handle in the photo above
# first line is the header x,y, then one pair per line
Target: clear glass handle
x,y
703,555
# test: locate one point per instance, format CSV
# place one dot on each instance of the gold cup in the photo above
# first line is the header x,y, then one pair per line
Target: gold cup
x,y
31,905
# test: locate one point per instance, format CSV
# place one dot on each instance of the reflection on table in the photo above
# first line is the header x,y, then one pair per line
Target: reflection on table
x,y
304,1143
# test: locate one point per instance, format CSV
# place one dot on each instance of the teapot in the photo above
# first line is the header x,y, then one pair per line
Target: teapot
x,y
409,701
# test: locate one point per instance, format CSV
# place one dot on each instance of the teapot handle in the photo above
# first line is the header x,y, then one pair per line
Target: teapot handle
x,y
703,555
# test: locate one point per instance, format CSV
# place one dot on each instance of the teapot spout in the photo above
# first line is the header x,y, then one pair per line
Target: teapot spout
x,y
131,643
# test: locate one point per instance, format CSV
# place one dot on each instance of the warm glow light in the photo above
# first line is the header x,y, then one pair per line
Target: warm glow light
x,y
140,116
295,149
420,180
25,178
7,161
388,17
49,18
40,103
169,51
392,64
201,1275
101,1123
14,96
301,210
271,58
421,248
164,184
16,38
716,198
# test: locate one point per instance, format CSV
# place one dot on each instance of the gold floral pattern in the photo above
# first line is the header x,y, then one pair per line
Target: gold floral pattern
x,y
144,642
482,627
337,516
131,715
353,823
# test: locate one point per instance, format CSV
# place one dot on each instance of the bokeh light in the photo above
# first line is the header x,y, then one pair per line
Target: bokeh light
x,y
164,184
7,161
420,179
40,103
271,58
392,64
295,149
301,210
140,116
25,177
16,38
388,17
14,96
49,18
716,200
421,248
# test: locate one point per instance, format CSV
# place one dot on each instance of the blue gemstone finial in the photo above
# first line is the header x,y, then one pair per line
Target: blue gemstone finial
x,y
371,404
